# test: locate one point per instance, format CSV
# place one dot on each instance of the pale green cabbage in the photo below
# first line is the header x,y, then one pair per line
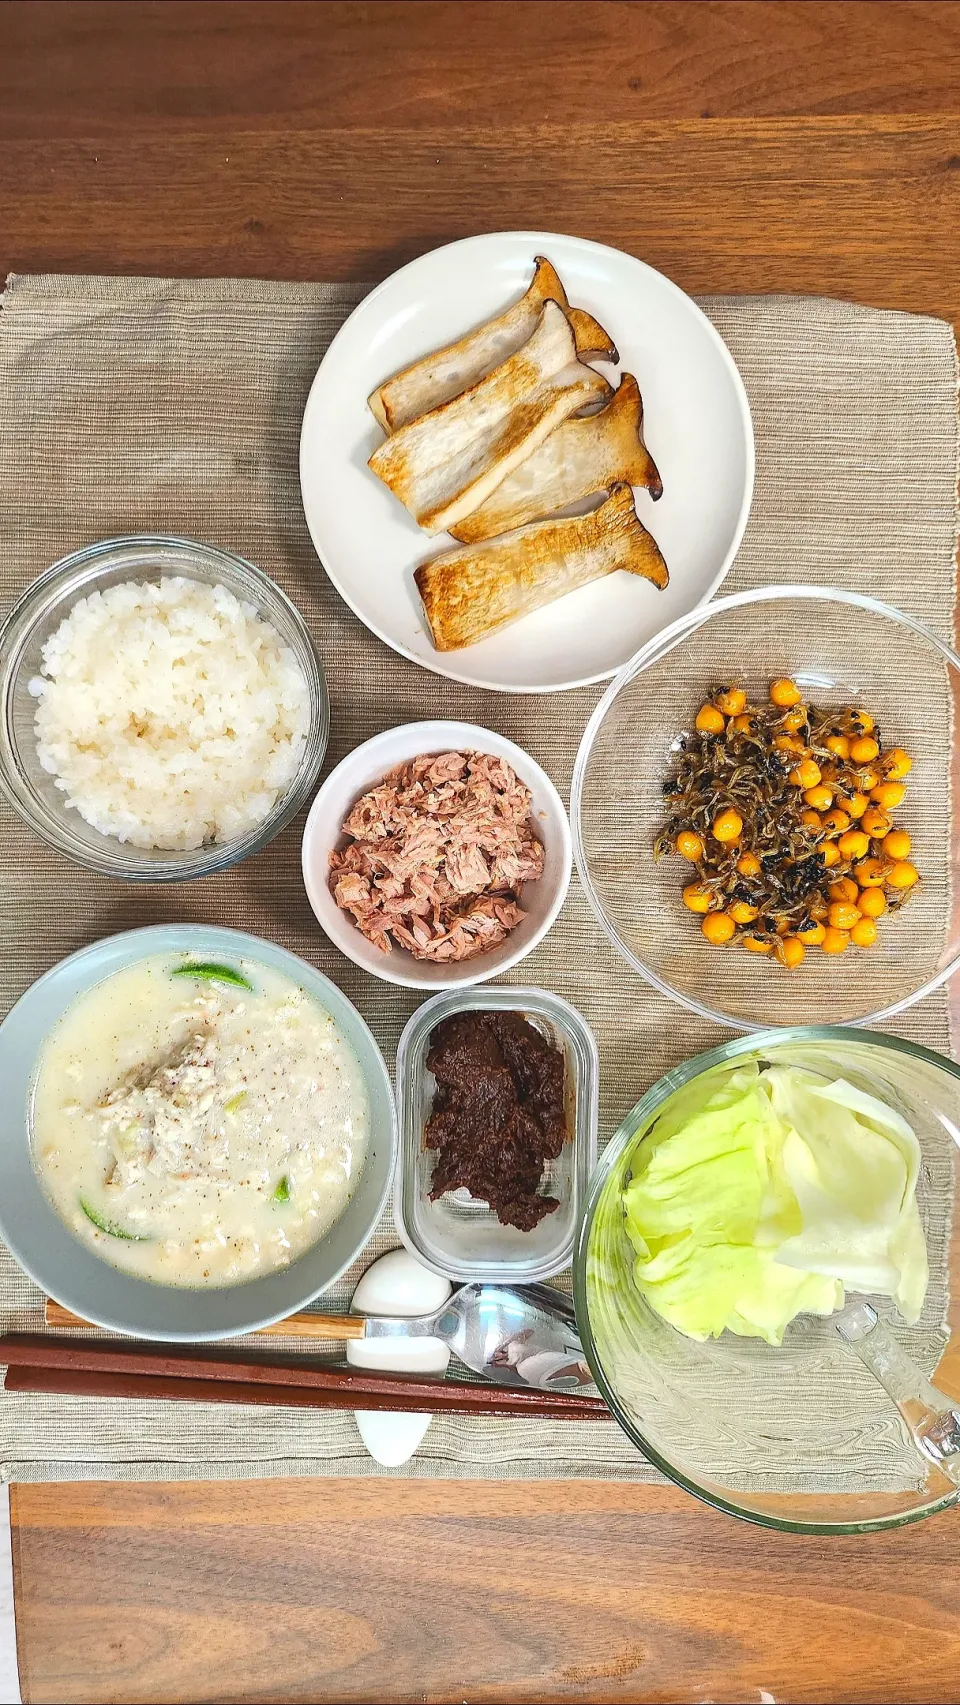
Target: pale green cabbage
x,y
768,1195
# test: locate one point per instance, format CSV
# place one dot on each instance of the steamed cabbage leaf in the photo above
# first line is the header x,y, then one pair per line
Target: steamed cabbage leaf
x,y
763,1194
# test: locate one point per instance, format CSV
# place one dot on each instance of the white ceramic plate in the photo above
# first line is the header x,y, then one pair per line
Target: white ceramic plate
x,y
366,765
696,424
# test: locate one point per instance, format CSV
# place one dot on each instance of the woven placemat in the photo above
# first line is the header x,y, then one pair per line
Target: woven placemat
x,y
131,405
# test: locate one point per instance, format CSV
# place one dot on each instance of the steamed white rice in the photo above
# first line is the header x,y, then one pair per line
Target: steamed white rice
x,y
170,714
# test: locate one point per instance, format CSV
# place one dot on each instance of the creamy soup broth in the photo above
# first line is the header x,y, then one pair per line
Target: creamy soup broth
x,y
197,1133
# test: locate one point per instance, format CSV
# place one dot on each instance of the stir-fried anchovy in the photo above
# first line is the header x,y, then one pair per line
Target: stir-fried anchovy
x,y
741,768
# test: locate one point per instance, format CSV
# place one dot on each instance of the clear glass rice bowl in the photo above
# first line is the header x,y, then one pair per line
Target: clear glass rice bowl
x,y
798,1437
38,614
841,649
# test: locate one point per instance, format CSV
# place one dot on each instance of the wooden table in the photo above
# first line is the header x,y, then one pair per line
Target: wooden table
x,y
739,147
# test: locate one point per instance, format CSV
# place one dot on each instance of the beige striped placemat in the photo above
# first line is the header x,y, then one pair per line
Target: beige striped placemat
x,y
128,405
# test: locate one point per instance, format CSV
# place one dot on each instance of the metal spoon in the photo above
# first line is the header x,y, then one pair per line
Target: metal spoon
x,y
522,1335
932,1418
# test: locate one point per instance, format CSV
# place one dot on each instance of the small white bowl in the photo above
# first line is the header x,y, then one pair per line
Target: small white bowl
x,y
361,770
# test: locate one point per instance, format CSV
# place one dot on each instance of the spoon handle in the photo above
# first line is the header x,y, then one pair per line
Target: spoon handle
x,y
932,1418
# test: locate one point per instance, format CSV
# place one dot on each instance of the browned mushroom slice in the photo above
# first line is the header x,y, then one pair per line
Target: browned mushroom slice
x,y
583,456
447,462
471,592
427,383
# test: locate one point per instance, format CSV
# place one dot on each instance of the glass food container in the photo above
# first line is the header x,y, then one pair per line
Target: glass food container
x,y
458,1235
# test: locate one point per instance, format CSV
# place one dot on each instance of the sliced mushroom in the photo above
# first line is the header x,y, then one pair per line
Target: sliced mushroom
x,y
427,383
447,462
472,592
583,456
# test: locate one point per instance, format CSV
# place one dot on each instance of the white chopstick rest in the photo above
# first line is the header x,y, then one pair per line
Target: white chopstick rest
x,y
397,1284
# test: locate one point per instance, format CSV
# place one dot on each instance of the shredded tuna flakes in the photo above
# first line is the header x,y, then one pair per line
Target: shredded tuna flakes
x,y
437,856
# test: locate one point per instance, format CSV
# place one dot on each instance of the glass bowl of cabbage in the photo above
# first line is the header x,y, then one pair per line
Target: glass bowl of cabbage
x,y
763,1279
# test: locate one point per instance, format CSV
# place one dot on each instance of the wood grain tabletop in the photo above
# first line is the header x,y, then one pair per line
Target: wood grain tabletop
x,y
765,146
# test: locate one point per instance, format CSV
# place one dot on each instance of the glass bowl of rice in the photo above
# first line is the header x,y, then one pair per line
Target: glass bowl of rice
x,y
165,713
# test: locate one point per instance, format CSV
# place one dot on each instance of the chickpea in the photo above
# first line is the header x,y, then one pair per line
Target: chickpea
x,y
857,805
718,927
836,821
839,745
689,845
897,844
697,898
748,864
841,916
830,854
835,941
732,701
845,890
888,795
896,764
864,750
742,912
811,934
864,933
756,944
727,826
806,774
875,823
785,693
854,844
903,874
709,720
794,719
870,873
792,952
863,721
819,797
872,903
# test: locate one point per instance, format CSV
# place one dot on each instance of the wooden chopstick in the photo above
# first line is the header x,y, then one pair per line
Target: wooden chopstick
x,y
93,1369
328,1328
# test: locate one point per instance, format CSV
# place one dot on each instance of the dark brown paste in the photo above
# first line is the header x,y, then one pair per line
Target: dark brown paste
x,y
498,1115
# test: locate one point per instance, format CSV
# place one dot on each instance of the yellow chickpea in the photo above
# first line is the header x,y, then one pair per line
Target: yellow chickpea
x,y
756,944
903,874
819,797
732,701
743,724
857,805
710,720
811,819
875,823
742,912
896,764
785,693
794,719
839,745
868,779
872,903
811,934
836,821
864,721
864,750
830,854
718,927
788,743
888,795
806,774
864,933
854,844
697,898
897,844
835,941
792,952
844,890
689,845
842,916
870,872
727,826
748,864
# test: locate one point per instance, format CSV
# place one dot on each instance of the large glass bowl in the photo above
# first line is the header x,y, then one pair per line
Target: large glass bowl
x,y
38,614
842,649
800,1437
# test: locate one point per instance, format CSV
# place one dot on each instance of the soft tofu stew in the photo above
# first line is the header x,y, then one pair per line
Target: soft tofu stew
x,y
196,1123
